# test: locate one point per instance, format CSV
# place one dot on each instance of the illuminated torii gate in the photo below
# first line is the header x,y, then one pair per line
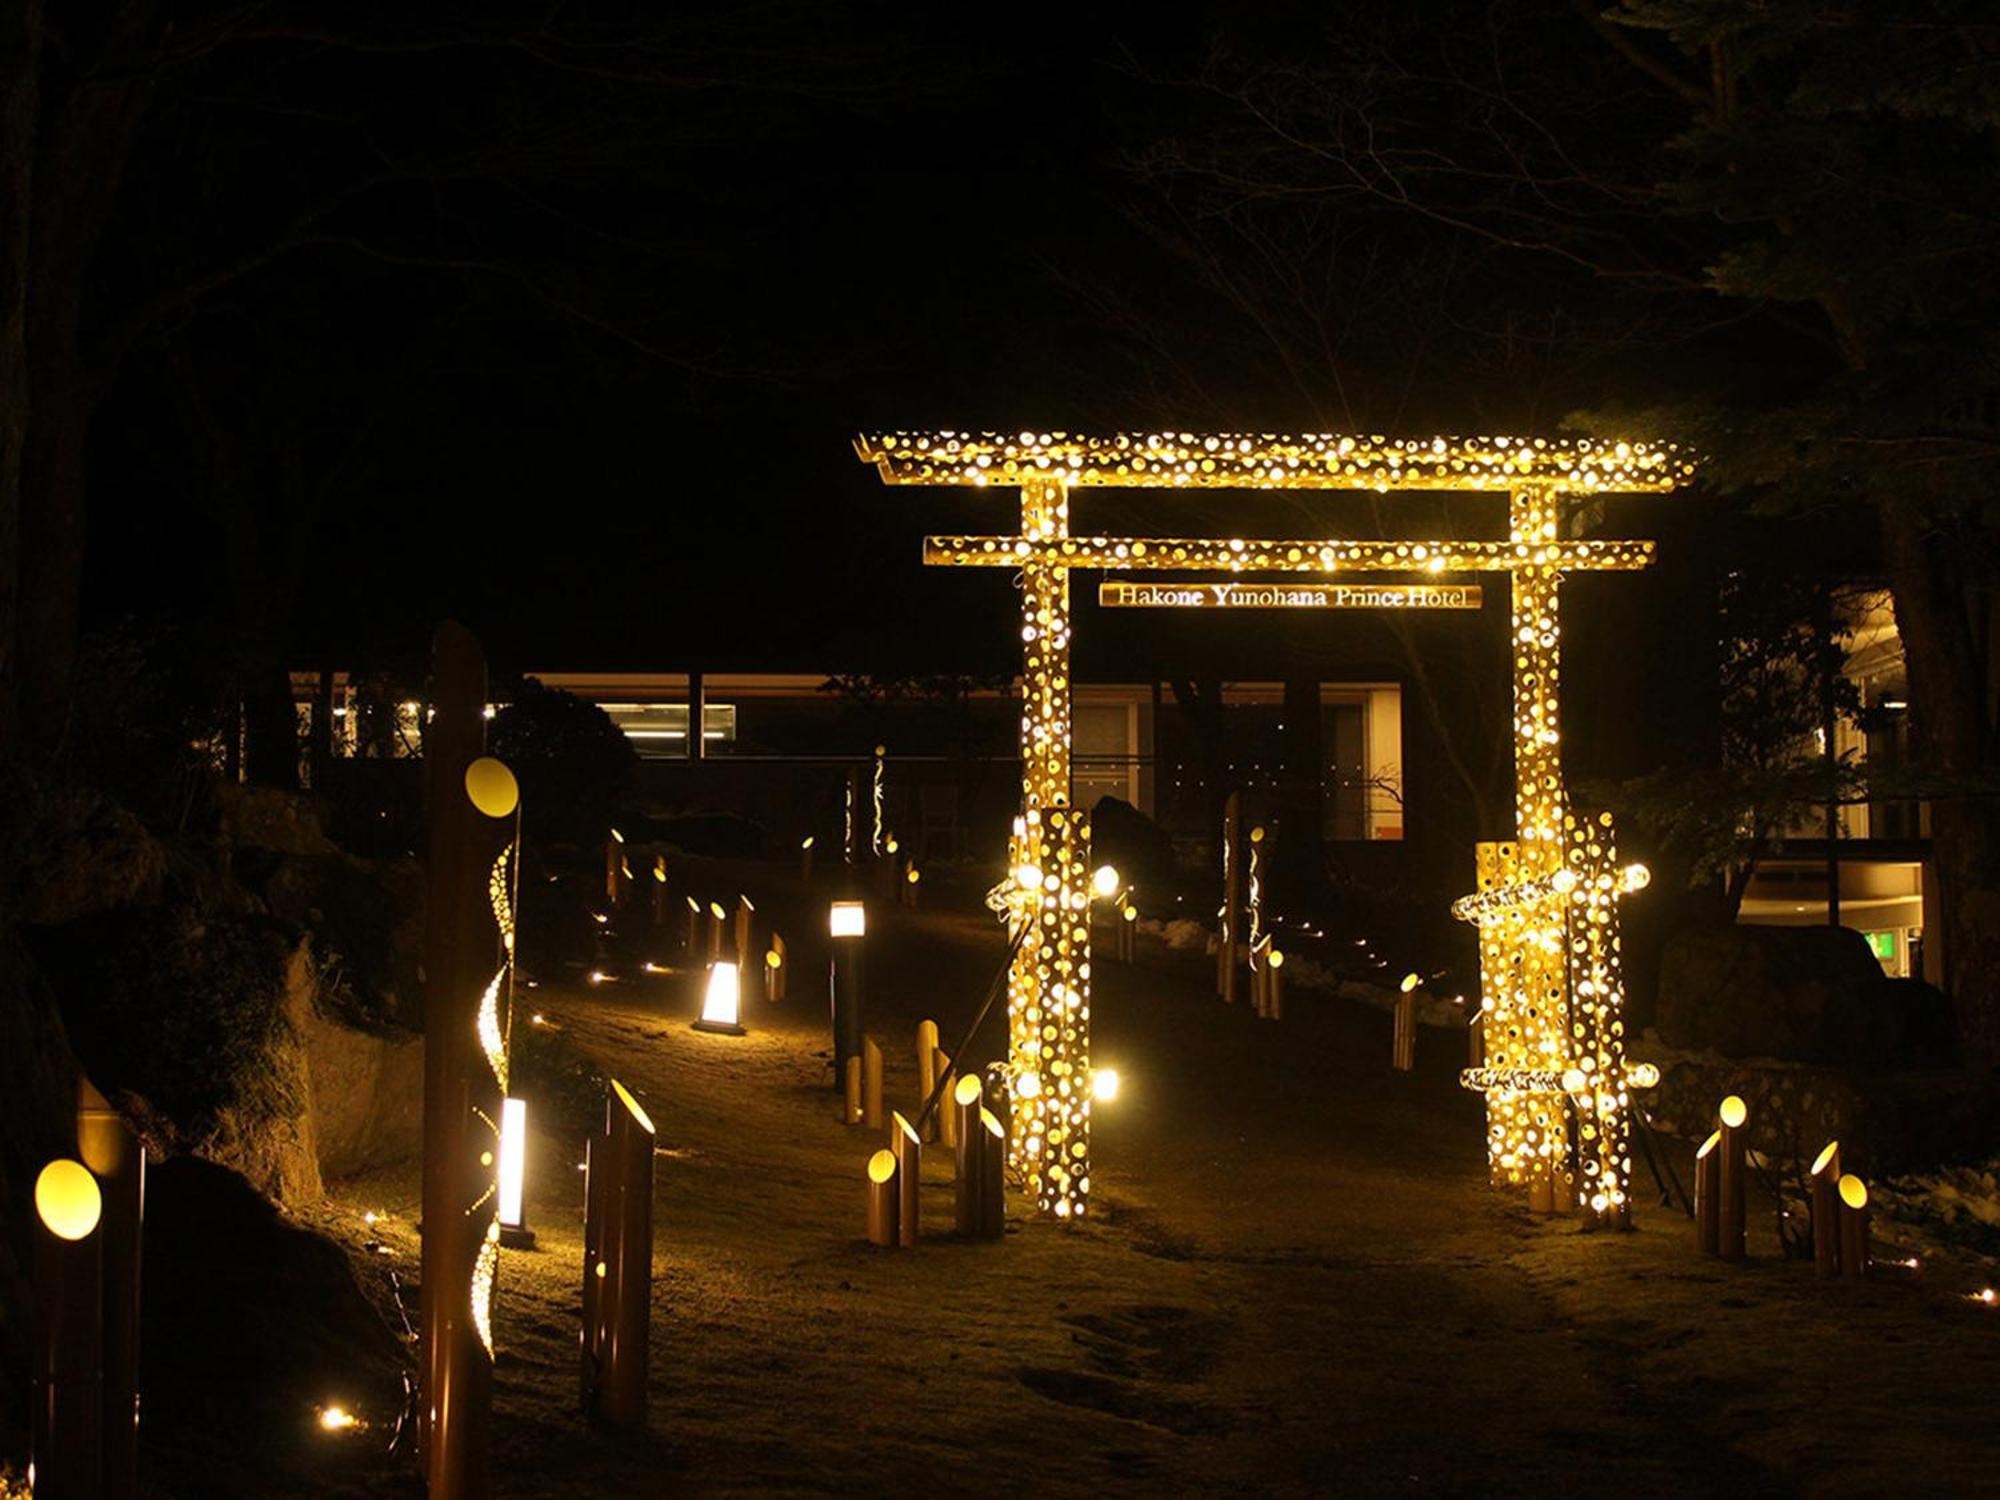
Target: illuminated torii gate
x,y
1546,904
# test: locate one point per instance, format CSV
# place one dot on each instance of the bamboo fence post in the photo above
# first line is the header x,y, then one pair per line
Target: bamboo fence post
x,y
774,971
927,1050
1274,985
717,920
596,1187
806,861
1405,1041
690,943
1826,1223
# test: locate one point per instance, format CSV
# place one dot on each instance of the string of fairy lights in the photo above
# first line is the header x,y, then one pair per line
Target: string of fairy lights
x,y
1556,1081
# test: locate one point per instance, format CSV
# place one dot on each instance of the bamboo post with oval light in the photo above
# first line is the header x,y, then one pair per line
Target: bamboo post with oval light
x,y
1708,1195
746,911
1732,1184
884,1201
65,1442
927,1052
660,893
966,1104
806,861
854,1087
113,1155
718,922
1853,1227
615,868
869,1065
615,1384
909,1152
691,939
776,972
1825,1179
1403,1045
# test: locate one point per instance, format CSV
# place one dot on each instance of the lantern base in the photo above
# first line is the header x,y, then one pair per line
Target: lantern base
x,y
720,1028
517,1237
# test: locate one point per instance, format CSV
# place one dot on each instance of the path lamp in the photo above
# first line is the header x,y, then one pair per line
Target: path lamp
x,y
847,925
722,1005
510,1209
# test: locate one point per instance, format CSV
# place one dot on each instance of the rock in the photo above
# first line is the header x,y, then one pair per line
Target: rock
x,y
250,1323
1804,994
366,923
367,1096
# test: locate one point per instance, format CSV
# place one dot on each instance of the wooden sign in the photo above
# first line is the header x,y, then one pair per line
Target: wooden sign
x,y
1122,595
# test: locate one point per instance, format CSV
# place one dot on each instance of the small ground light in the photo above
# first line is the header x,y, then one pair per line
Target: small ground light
x,y
1105,881
847,919
1986,1295
721,1005
337,1419
1104,1084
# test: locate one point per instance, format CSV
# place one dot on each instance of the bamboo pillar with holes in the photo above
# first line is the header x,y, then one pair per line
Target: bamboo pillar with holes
x,y
115,1158
1825,1177
1229,929
625,1263
909,1178
459,1090
927,1051
884,1203
614,870
1732,1185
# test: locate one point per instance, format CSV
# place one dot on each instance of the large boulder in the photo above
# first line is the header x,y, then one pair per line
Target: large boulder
x,y
1803,994
366,1095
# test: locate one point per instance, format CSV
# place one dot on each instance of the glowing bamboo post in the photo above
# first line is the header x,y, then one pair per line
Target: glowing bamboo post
x,y
511,1207
883,1201
1853,1226
66,1449
806,861
1229,932
927,1050
596,1192
947,1121
1542,1188
718,919
660,892
625,1264
614,869
1732,1186
1126,934
847,925
1826,1210
992,1176
887,870
112,1152
775,970
854,1084
744,912
966,1105
1274,985
1708,1195
869,1066
470,805
1475,1039
690,943
909,1178
912,886
1404,1045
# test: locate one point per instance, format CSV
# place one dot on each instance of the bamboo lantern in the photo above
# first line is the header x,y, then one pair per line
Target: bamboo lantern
x,y
692,940
947,1121
614,868
1853,1226
854,1086
1274,985
871,1082
774,970
1707,1192
626,1262
744,912
596,1185
1826,1219
65,1442
969,1157
113,1154
912,885
1732,1186
909,1178
927,1050
1127,933
992,1176
660,892
847,925
1405,1041
717,920
806,860
883,1229
1475,1039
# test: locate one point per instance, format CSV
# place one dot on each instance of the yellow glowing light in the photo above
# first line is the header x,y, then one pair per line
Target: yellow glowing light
x,y
1028,877
67,1199
967,1089
773,959
632,1105
722,1002
715,909
1826,1155
1634,877
1274,958
913,876
336,1419
513,1160
847,919
1104,1084
806,842
1104,881
882,1166
491,787
615,834
1986,1295
660,871
1410,982
1028,1085
1733,1112
1853,1191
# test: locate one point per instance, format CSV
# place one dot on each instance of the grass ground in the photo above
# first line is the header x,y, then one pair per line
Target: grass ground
x,y
1296,1281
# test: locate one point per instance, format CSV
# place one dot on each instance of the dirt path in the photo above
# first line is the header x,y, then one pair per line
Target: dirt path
x,y
1297,1283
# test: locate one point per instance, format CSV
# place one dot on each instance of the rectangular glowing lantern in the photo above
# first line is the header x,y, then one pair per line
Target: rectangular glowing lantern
x,y
513,1160
848,919
721,1004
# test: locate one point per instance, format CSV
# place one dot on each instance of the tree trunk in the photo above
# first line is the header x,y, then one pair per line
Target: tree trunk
x,y
1949,727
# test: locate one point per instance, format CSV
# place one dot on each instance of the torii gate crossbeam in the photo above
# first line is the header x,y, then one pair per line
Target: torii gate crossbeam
x,y
1556,1081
